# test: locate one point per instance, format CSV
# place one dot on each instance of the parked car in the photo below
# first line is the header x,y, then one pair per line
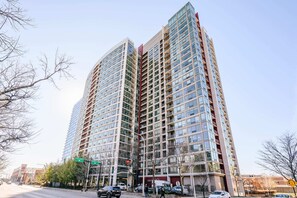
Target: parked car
x,y
167,189
283,196
219,194
138,188
178,189
122,186
109,191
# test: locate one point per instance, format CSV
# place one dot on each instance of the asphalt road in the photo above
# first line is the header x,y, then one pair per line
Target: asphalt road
x,y
24,191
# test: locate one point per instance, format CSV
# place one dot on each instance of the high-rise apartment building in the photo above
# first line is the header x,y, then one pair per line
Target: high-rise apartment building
x,y
71,131
163,108
184,126
106,130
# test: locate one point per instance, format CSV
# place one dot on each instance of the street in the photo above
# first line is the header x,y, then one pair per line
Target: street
x,y
24,191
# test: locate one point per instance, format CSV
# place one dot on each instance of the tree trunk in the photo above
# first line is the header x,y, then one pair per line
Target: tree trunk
x,y
154,185
181,180
203,190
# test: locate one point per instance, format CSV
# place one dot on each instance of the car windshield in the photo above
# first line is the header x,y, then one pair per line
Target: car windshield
x,y
116,188
217,193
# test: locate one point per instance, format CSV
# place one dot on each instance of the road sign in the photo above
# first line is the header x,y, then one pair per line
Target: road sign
x,y
79,159
95,162
291,182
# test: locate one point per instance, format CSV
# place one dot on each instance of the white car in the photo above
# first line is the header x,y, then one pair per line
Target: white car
x,y
219,194
122,186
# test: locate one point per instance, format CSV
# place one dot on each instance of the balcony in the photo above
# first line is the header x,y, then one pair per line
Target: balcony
x,y
169,120
168,93
169,106
170,113
168,87
169,100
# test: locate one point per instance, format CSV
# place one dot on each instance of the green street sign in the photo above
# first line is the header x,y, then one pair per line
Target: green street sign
x,y
95,162
79,159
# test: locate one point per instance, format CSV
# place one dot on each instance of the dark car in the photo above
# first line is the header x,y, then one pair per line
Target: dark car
x,y
138,189
109,191
167,189
178,190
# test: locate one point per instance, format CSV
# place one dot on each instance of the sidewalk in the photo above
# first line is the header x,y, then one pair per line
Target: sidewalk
x,y
131,194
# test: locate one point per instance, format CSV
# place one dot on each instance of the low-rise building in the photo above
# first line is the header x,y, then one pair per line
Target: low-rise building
x,y
265,184
26,175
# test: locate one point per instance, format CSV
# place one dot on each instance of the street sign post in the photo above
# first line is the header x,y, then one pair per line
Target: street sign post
x,y
89,164
79,159
292,183
95,163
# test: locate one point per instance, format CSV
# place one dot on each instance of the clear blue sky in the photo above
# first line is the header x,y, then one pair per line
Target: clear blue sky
x,y
255,44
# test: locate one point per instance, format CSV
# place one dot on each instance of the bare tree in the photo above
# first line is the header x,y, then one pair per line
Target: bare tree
x,y
247,184
18,81
281,157
268,184
3,161
202,182
154,159
236,177
180,154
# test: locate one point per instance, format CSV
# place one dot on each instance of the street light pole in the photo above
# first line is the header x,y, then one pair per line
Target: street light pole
x,y
193,180
98,177
87,177
143,166
128,164
109,179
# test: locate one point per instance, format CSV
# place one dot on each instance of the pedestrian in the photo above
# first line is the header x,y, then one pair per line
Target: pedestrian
x,y
146,191
162,193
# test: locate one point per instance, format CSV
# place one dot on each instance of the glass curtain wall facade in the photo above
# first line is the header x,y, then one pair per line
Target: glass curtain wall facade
x,y
71,131
107,129
184,129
